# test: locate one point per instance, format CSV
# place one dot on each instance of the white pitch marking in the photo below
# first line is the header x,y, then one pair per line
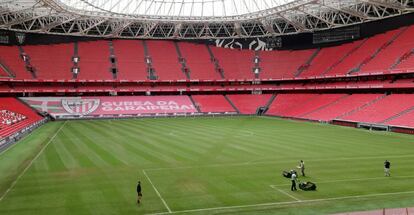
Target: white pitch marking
x,y
32,161
285,203
351,179
156,191
291,196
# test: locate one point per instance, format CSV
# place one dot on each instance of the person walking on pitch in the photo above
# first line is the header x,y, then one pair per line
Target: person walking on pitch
x,y
139,192
302,167
387,166
293,180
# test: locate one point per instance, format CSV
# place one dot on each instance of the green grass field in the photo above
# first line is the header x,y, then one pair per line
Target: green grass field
x,y
203,166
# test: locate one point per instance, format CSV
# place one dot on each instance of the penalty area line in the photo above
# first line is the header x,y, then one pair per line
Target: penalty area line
x,y
285,203
31,162
287,194
158,193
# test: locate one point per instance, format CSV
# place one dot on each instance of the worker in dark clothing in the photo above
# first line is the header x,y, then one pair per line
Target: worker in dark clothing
x,y
139,192
293,180
387,166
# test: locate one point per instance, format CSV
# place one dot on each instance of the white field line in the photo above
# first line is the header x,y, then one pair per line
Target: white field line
x,y
285,203
156,191
348,180
31,162
288,161
291,196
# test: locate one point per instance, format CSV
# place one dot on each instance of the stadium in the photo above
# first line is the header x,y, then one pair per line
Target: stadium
x,y
208,104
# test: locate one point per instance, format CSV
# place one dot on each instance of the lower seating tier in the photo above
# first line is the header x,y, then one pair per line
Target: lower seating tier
x,y
393,109
14,116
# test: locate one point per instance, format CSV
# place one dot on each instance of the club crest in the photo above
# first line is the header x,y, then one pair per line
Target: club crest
x,y
20,37
80,106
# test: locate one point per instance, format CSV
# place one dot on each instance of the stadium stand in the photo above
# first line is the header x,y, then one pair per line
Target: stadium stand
x,y
307,103
198,61
282,64
165,60
405,119
3,73
212,103
248,104
130,58
383,109
94,66
10,56
15,116
284,103
388,57
341,107
362,54
52,61
328,57
236,64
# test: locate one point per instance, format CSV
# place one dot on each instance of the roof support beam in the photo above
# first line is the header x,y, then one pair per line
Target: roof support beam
x,y
53,17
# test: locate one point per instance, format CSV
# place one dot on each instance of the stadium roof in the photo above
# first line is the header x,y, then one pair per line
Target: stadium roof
x,y
188,8
192,19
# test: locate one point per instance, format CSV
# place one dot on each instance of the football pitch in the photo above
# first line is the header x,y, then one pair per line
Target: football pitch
x,y
224,165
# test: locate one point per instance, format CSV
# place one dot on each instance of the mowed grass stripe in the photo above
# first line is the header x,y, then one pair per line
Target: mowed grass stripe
x,y
102,161
95,143
78,150
184,152
146,141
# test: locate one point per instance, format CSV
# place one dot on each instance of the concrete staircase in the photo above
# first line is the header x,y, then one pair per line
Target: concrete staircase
x,y
152,75
194,103
402,58
398,115
216,62
7,70
306,65
182,62
324,106
232,104
343,58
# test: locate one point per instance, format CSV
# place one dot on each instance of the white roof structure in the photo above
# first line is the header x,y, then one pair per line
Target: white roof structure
x,y
192,19
180,8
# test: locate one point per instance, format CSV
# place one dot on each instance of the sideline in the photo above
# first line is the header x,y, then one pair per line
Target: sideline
x,y
158,193
32,161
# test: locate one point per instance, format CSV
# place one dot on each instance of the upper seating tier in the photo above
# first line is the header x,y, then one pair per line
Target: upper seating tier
x,y
10,57
165,60
52,61
130,58
94,62
236,64
198,61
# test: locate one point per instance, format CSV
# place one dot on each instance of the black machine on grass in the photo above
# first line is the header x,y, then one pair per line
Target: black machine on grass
x,y
306,186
